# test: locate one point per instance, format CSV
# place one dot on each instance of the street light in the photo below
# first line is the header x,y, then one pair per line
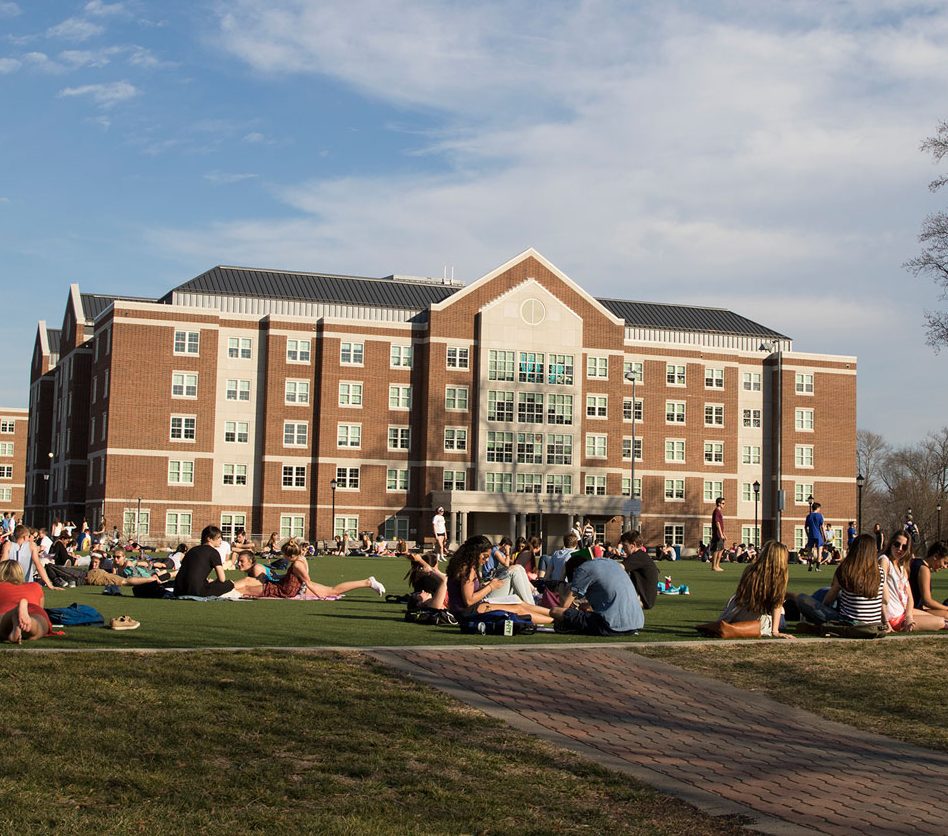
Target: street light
x,y
631,376
938,509
332,528
756,498
860,483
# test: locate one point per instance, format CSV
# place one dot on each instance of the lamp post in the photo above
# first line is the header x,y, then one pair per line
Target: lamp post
x,y
860,484
938,509
49,488
756,499
631,376
774,347
332,526
138,521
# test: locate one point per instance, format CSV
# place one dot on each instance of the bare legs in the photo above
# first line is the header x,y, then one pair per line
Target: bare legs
x,y
539,615
17,625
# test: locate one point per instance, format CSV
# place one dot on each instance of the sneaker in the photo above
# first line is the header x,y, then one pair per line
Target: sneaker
x,y
377,586
72,584
124,622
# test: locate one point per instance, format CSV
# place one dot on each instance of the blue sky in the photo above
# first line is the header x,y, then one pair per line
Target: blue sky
x,y
762,157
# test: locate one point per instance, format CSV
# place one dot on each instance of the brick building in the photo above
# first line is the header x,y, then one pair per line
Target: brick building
x,y
13,440
308,403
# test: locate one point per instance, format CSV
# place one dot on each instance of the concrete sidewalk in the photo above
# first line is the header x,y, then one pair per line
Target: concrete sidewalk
x,y
727,751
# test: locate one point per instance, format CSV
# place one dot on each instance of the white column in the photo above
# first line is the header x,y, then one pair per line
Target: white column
x,y
512,526
452,542
462,528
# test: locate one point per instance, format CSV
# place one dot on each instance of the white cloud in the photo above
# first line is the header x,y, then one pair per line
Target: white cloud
x,y
97,8
9,9
255,138
4,200
41,61
221,178
9,65
75,29
105,95
76,58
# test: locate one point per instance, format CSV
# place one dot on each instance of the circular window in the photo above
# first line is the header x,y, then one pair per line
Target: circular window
x,y
532,312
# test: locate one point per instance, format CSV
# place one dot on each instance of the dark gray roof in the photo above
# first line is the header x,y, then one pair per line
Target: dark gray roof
x,y
53,337
94,303
686,318
387,292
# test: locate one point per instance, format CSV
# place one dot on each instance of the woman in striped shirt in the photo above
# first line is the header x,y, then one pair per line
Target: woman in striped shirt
x,y
858,586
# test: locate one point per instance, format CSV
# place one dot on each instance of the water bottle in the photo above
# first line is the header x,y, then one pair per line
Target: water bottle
x,y
508,627
481,628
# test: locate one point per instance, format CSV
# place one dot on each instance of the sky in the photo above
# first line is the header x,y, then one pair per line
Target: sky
x,y
762,157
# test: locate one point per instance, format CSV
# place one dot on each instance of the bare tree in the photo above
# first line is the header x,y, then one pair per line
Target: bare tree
x,y
871,452
933,259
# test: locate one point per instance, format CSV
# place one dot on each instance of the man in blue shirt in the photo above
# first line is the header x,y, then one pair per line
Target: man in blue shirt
x,y
815,536
616,610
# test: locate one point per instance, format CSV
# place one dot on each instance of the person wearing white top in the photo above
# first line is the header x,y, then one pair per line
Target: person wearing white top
x,y
440,531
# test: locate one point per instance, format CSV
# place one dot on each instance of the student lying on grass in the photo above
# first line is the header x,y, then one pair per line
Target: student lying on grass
x,y
21,604
428,583
920,579
297,581
467,594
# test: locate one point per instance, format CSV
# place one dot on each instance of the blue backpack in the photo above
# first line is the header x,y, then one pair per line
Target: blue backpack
x,y
75,615
492,623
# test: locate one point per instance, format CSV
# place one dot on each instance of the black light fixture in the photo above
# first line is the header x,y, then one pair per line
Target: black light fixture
x,y
938,509
756,487
333,484
860,483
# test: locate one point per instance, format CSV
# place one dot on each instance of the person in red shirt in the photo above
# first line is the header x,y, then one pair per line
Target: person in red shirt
x,y
718,540
21,604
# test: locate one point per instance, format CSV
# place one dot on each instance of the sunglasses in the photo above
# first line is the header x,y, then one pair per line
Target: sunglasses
x,y
901,546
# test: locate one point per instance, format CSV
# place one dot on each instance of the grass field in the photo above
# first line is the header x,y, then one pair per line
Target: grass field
x,y
362,619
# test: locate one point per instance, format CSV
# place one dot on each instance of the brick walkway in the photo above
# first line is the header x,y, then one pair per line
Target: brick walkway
x,y
786,769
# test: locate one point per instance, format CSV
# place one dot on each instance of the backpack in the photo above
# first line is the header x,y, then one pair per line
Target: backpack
x,y
843,630
426,615
492,623
75,615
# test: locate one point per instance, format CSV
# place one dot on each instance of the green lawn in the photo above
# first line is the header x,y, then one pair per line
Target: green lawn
x,y
362,619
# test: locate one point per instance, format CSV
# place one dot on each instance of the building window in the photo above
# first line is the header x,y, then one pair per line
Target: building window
x,y
799,537
184,385
6,471
500,365
500,406
804,384
498,482
458,358
627,449
297,351
803,455
674,489
557,483
529,408
7,426
559,449
296,392
560,370
236,432
178,523
597,406
237,390
595,486
747,492
291,525
674,412
803,419
395,528
529,483
750,454
637,369
399,397
499,446
95,389
396,479
347,478
400,357
294,476
399,438
751,418
674,534
187,342
713,415
713,378
239,348
351,354
531,367
595,446
632,410
295,434
638,487
6,494
183,428
342,525
714,452
139,526
455,438
105,384
597,367
455,397
180,472
674,375
530,448
802,491
455,480
348,435
712,490
235,474
751,381
559,409
350,394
